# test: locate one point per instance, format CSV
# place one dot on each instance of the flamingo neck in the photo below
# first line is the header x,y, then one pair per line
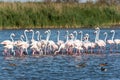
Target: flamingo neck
x,y
32,34
113,35
67,36
105,37
26,36
21,38
11,36
38,35
48,35
98,33
96,38
81,35
87,38
76,35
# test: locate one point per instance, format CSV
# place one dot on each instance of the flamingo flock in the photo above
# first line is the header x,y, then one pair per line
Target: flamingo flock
x,y
72,45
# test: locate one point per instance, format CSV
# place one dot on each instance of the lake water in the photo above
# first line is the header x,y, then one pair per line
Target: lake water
x,y
60,67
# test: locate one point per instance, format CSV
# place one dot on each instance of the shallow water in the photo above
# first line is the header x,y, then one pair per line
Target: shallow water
x,y
59,67
62,67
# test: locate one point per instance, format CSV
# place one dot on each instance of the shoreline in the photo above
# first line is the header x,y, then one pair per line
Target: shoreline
x,y
102,27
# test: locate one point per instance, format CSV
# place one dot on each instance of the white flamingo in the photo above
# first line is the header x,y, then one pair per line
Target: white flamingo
x,y
100,43
32,40
38,39
111,41
105,39
116,41
105,33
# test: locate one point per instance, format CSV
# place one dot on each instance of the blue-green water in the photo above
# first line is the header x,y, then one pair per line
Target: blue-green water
x,y
60,68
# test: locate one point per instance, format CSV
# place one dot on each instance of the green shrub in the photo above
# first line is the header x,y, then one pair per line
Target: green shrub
x,y
57,15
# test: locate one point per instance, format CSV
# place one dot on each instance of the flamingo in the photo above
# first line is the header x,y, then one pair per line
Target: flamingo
x,y
8,42
116,41
69,45
77,43
18,45
44,43
35,45
51,44
105,39
92,45
111,41
86,43
62,46
105,33
9,45
100,43
23,45
38,39
81,35
32,40
40,43
59,42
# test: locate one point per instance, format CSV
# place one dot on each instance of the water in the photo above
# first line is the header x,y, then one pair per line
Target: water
x,y
59,67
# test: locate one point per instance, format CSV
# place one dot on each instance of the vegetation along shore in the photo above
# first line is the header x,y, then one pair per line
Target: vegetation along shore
x,y
19,15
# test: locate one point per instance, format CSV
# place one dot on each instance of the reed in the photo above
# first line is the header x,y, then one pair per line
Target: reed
x,y
57,15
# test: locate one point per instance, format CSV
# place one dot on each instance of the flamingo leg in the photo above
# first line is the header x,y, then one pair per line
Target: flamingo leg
x,y
26,51
91,50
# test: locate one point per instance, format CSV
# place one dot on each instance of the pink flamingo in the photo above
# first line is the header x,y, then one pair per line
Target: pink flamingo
x,y
44,43
59,42
86,43
35,45
51,44
92,45
77,43
23,45
69,44
9,45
